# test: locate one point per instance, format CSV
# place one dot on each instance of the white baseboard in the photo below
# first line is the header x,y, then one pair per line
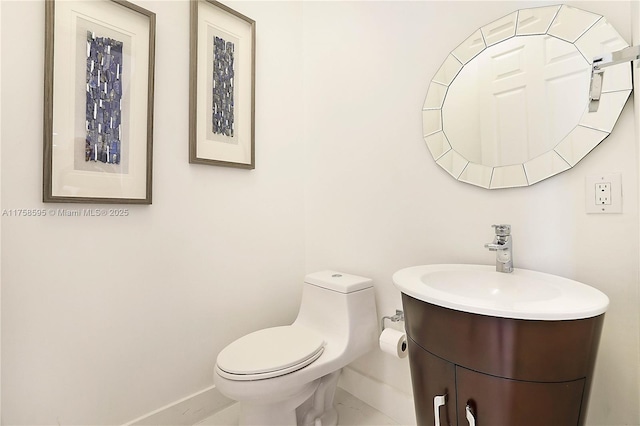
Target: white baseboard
x,y
194,408
186,411
388,400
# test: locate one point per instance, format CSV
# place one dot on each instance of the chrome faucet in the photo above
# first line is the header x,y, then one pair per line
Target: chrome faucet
x,y
503,246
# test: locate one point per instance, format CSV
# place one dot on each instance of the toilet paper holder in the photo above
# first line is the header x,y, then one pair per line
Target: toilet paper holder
x,y
399,316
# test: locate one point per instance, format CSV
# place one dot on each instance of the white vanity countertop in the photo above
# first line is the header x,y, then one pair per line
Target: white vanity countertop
x,y
521,294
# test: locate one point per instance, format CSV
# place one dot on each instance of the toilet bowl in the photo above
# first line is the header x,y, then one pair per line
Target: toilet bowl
x,y
288,375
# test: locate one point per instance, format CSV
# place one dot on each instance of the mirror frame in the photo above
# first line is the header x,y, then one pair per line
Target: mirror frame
x,y
588,32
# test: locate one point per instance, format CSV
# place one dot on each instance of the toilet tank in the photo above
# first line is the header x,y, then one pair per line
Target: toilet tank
x,y
342,307
338,281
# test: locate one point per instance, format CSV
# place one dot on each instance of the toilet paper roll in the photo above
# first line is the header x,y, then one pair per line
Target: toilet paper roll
x,y
393,342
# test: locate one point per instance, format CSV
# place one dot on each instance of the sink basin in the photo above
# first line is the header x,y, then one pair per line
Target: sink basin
x,y
522,294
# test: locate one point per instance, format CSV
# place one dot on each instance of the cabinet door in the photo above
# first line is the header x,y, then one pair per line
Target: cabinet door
x,y
504,402
432,377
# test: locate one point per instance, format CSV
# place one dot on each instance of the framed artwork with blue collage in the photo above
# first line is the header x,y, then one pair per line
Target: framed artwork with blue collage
x,y
98,125
221,86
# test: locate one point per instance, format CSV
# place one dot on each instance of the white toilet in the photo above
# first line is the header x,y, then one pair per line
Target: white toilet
x,y
288,375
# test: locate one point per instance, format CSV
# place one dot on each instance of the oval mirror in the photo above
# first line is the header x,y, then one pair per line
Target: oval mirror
x,y
509,105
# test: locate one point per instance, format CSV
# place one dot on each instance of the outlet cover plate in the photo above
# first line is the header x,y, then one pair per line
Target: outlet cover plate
x,y
615,181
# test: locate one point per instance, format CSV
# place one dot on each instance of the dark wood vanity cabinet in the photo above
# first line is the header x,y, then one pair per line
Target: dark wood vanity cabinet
x,y
432,376
510,372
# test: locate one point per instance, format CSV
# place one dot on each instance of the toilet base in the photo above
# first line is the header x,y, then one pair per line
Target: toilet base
x,y
328,418
310,406
319,410
276,410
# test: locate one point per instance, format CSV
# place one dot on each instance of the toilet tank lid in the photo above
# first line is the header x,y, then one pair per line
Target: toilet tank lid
x,y
338,281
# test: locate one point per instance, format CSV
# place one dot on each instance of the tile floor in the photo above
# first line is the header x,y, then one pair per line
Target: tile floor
x,y
351,411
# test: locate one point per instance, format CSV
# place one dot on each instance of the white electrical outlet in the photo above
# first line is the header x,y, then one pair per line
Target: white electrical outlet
x,y
604,193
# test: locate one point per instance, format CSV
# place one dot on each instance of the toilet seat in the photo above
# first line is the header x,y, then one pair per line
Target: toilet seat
x,y
271,352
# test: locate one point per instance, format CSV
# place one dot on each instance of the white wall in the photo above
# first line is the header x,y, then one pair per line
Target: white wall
x,y
635,26
0,226
222,251
376,202
218,254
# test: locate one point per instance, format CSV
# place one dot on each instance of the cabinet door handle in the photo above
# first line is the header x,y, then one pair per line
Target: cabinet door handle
x,y
438,401
470,417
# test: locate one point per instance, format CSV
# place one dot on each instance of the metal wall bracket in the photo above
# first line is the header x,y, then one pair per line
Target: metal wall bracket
x,y
399,316
628,54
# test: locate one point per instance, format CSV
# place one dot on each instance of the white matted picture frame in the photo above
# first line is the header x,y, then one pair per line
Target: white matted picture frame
x,y
221,86
98,102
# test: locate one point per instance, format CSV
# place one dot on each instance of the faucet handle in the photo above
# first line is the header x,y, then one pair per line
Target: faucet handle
x,y
502,230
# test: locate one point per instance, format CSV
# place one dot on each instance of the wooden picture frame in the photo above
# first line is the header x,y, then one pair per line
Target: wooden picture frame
x,y
221,86
98,102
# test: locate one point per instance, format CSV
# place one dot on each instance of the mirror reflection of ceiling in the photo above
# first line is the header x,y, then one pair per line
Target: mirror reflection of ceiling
x,y
509,106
